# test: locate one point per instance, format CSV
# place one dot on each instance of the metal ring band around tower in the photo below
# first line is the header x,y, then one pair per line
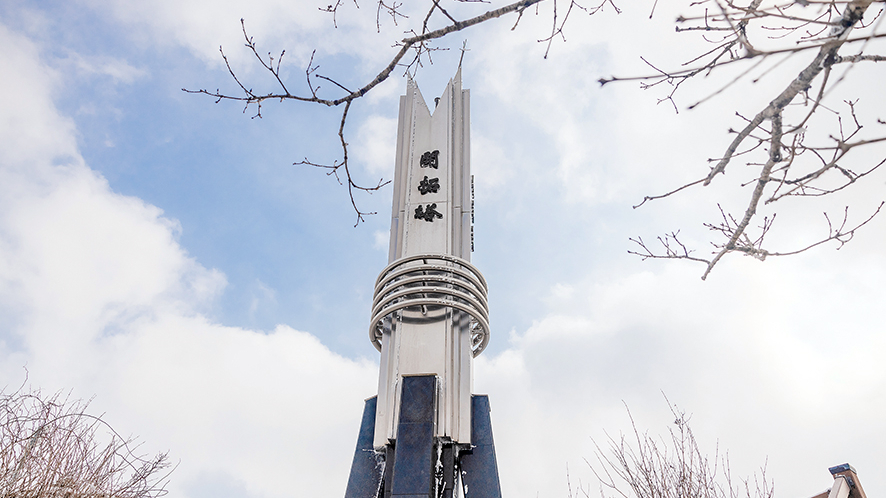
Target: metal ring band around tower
x,y
432,280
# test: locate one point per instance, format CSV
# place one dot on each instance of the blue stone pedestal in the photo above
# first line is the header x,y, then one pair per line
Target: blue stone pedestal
x,y
418,465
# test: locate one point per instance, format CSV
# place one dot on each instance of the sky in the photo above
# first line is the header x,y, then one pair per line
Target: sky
x,y
161,255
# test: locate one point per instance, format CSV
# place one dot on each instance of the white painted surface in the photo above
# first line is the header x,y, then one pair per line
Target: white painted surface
x,y
430,340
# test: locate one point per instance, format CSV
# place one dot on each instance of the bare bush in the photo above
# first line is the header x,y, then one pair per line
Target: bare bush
x,y
643,466
51,448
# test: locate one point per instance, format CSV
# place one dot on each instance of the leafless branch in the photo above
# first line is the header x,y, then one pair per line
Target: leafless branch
x,y
786,170
796,162
557,23
50,447
417,43
343,164
674,249
739,241
639,465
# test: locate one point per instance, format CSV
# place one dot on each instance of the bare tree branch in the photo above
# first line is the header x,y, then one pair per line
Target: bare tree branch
x,y
786,171
417,43
795,165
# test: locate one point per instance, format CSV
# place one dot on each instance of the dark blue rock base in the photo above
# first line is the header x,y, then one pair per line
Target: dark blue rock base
x,y
366,470
479,470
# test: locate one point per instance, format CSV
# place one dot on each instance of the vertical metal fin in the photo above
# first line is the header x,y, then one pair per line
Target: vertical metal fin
x,y
389,470
479,470
449,477
366,470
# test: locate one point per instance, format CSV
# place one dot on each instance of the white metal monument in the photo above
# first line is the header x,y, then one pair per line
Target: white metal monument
x,y
425,431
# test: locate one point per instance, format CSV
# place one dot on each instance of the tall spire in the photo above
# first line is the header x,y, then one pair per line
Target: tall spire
x,y
429,315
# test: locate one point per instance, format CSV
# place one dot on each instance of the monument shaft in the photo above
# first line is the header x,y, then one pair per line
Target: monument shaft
x,y
429,319
429,292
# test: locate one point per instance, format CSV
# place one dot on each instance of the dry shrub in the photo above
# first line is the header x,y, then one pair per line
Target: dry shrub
x,y
639,465
50,447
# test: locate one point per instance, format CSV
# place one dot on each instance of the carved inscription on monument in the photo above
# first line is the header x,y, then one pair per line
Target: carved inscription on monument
x,y
427,213
430,159
429,186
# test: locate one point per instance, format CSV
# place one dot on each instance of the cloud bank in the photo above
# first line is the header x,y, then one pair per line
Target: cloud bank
x,y
98,295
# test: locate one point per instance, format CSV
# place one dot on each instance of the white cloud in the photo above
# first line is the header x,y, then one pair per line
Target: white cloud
x,y
262,296
491,165
769,368
298,27
97,296
118,70
254,405
375,144
31,125
381,240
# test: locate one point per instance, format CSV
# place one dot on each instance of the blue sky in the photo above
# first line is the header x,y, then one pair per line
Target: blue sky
x,y
163,254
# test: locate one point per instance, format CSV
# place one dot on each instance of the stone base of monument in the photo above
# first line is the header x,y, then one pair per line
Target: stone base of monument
x,y
479,470
418,465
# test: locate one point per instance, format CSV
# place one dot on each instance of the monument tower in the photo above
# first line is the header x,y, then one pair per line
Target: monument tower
x,y
425,431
